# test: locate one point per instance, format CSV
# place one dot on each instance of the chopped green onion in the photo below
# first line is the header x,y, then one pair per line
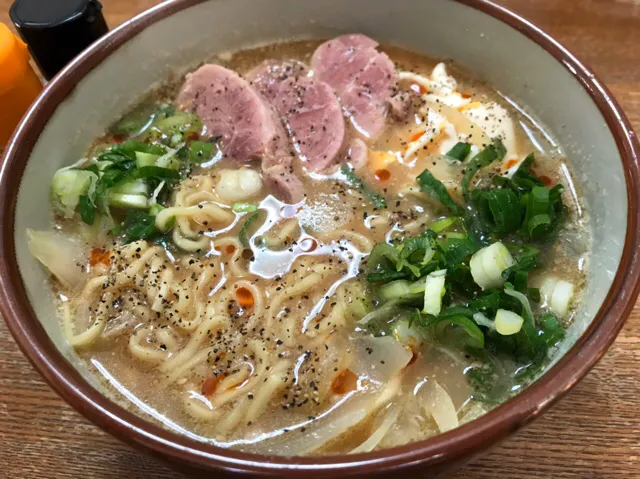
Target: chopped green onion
x,y
176,140
395,289
473,338
354,180
457,249
488,264
443,224
138,226
120,200
416,250
526,306
455,236
87,210
243,235
200,151
537,219
434,188
498,208
130,147
145,159
244,207
482,320
460,151
434,291
381,264
155,209
169,160
136,121
491,153
150,172
552,330
181,122
523,179
508,322
135,187
557,294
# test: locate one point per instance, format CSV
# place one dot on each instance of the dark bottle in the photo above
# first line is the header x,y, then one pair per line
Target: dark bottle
x,y
57,30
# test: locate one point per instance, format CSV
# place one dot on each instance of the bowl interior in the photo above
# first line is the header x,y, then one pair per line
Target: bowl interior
x,y
490,49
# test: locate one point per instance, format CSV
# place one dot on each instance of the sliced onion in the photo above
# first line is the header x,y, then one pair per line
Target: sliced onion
x,y
464,126
439,405
472,411
345,416
379,359
482,320
508,322
382,314
62,256
495,122
434,291
488,264
409,336
557,294
374,439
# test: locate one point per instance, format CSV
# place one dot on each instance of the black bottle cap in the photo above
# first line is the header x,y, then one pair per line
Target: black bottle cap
x,y
57,30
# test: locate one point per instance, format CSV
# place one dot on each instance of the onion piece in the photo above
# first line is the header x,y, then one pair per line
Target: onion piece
x,y
464,126
352,410
508,322
61,255
482,320
557,294
472,411
439,405
379,359
433,292
488,264
410,337
374,439
495,122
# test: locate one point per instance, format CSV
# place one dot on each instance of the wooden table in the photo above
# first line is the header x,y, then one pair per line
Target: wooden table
x,y
592,433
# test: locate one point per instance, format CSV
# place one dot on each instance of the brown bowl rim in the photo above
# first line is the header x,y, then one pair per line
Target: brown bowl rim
x,y
458,444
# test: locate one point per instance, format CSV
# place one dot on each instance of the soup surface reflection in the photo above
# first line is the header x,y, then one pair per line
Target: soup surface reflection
x,y
317,248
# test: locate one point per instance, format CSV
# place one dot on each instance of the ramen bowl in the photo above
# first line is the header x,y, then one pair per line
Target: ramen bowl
x,y
492,43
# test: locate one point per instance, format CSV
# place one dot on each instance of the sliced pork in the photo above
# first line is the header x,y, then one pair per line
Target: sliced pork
x,y
232,109
308,106
284,182
247,124
363,78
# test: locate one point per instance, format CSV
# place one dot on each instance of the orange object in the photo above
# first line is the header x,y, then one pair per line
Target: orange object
x,y
19,84
244,297
344,382
98,255
546,180
417,136
383,174
210,385
510,164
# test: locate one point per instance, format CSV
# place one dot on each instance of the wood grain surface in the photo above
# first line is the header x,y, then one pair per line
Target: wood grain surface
x,y
594,432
